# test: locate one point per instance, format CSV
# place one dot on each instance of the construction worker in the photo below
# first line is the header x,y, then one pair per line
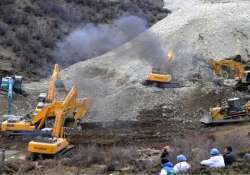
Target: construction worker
x,y
182,166
165,153
229,156
167,167
247,156
215,161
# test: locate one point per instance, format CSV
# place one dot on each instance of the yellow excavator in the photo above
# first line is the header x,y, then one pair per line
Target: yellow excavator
x,y
51,95
31,126
232,112
159,77
57,143
223,67
18,124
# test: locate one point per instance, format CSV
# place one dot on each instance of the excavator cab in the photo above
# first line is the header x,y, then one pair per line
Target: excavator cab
x,y
234,105
244,83
17,83
246,77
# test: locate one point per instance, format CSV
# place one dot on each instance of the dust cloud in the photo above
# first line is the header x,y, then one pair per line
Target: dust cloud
x,y
92,40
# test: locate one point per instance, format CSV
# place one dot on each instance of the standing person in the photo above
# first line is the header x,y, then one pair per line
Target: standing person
x,y
229,156
167,167
215,161
182,166
165,153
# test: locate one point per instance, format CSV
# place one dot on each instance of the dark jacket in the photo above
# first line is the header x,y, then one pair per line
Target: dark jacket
x,y
229,158
165,154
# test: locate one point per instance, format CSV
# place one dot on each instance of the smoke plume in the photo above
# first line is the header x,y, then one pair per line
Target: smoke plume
x,y
185,64
93,40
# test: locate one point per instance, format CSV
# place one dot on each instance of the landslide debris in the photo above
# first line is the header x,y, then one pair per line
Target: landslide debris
x,y
114,79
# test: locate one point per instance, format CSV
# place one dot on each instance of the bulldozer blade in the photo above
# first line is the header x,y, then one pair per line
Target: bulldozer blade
x,y
224,122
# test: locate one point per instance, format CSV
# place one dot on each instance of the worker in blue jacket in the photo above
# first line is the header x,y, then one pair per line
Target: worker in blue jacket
x,y
167,168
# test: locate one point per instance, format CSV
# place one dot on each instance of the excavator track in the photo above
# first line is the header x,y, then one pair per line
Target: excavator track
x,y
162,85
67,152
26,134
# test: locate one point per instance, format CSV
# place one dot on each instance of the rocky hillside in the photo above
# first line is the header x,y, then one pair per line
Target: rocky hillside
x,y
29,29
208,31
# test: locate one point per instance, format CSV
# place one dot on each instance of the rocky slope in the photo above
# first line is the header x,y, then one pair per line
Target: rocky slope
x,y
114,79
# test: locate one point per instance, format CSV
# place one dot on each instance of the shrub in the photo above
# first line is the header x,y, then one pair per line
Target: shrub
x,y
113,157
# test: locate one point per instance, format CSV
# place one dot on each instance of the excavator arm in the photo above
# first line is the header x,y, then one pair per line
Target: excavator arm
x,y
72,105
52,84
40,117
81,108
217,65
59,109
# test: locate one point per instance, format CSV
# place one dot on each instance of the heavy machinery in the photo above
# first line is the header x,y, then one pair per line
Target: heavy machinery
x,y
57,143
23,125
50,96
11,85
232,112
224,67
159,77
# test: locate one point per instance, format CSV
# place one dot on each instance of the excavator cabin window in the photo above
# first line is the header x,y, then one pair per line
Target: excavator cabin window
x,y
234,105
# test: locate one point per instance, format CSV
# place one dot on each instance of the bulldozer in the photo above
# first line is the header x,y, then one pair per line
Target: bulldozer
x,y
57,144
159,77
232,112
232,65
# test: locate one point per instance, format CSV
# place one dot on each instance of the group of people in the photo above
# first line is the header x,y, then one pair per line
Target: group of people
x,y
216,160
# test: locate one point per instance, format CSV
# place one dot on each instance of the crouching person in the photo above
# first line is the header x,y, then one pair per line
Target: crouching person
x,y
215,161
182,166
167,168
229,156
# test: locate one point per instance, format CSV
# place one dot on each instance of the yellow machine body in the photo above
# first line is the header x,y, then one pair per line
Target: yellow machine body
x,y
159,77
24,125
216,113
232,112
18,126
51,148
59,110
217,66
